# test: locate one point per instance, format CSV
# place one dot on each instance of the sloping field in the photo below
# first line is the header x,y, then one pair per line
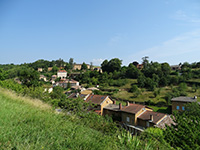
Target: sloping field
x,y
30,124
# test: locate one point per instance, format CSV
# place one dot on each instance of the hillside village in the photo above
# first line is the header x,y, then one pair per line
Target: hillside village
x,y
133,117
133,97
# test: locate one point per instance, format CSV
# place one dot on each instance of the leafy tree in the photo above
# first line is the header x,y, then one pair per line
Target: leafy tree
x,y
55,69
58,93
166,69
84,66
135,63
185,133
29,77
132,72
145,61
112,65
3,74
71,63
105,66
141,80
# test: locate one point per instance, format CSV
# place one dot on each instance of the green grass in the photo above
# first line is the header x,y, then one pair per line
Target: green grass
x,y
30,124
146,95
161,109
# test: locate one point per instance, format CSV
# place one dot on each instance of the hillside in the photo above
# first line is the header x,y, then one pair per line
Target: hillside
x,y
30,124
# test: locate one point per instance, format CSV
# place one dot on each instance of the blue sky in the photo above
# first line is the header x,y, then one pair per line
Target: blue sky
x,y
95,30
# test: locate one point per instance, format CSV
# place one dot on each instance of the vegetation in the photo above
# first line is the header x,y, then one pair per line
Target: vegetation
x,y
40,128
185,133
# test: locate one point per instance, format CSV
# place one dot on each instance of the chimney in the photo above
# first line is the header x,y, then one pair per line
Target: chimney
x,y
120,106
151,117
114,102
127,103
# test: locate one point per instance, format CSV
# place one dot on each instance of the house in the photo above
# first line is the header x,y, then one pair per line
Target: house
x,y
42,77
178,103
176,67
65,82
135,117
98,69
40,69
50,68
78,66
62,74
76,95
86,92
140,66
53,77
100,101
130,113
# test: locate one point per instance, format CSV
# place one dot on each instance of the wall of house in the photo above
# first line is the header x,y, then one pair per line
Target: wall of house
x,y
143,123
105,103
180,104
116,115
131,118
62,74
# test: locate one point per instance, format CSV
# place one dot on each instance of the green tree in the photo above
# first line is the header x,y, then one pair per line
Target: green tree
x,y
112,65
29,77
71,63
84,66
166,69
185,133
3,74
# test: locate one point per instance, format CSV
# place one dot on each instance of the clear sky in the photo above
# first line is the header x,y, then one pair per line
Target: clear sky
x,y
95,30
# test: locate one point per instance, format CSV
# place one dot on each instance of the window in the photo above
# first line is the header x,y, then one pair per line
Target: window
x,y
147,123
177,107
183,108
127,119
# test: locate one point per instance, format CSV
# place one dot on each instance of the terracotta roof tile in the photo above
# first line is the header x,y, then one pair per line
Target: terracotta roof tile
x,y
133,108
156,116
62,71
96,99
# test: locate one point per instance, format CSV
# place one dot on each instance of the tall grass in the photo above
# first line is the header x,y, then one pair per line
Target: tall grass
x,y
25,125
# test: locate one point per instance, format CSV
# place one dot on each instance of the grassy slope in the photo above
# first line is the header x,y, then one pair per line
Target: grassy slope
x,y
147,95
31,124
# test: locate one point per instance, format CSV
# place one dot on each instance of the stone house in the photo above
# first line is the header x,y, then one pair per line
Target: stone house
x,y
178,103
135,117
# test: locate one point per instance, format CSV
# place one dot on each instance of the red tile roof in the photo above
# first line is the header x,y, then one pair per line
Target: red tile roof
x,y
132,108
96,99
62,71
156,116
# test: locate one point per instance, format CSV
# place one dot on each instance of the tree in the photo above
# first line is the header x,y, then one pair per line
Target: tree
x,y
3,74
135,63
166,69
145,61
29,77
112,65
132,71
71,63
91,66
104,66
84,66
185,133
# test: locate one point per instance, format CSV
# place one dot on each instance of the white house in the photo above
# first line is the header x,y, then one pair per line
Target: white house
x,y
62,74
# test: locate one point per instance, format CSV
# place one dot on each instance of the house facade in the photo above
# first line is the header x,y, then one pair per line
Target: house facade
x,y
62,74
178,103
135,117
100,101
78,66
